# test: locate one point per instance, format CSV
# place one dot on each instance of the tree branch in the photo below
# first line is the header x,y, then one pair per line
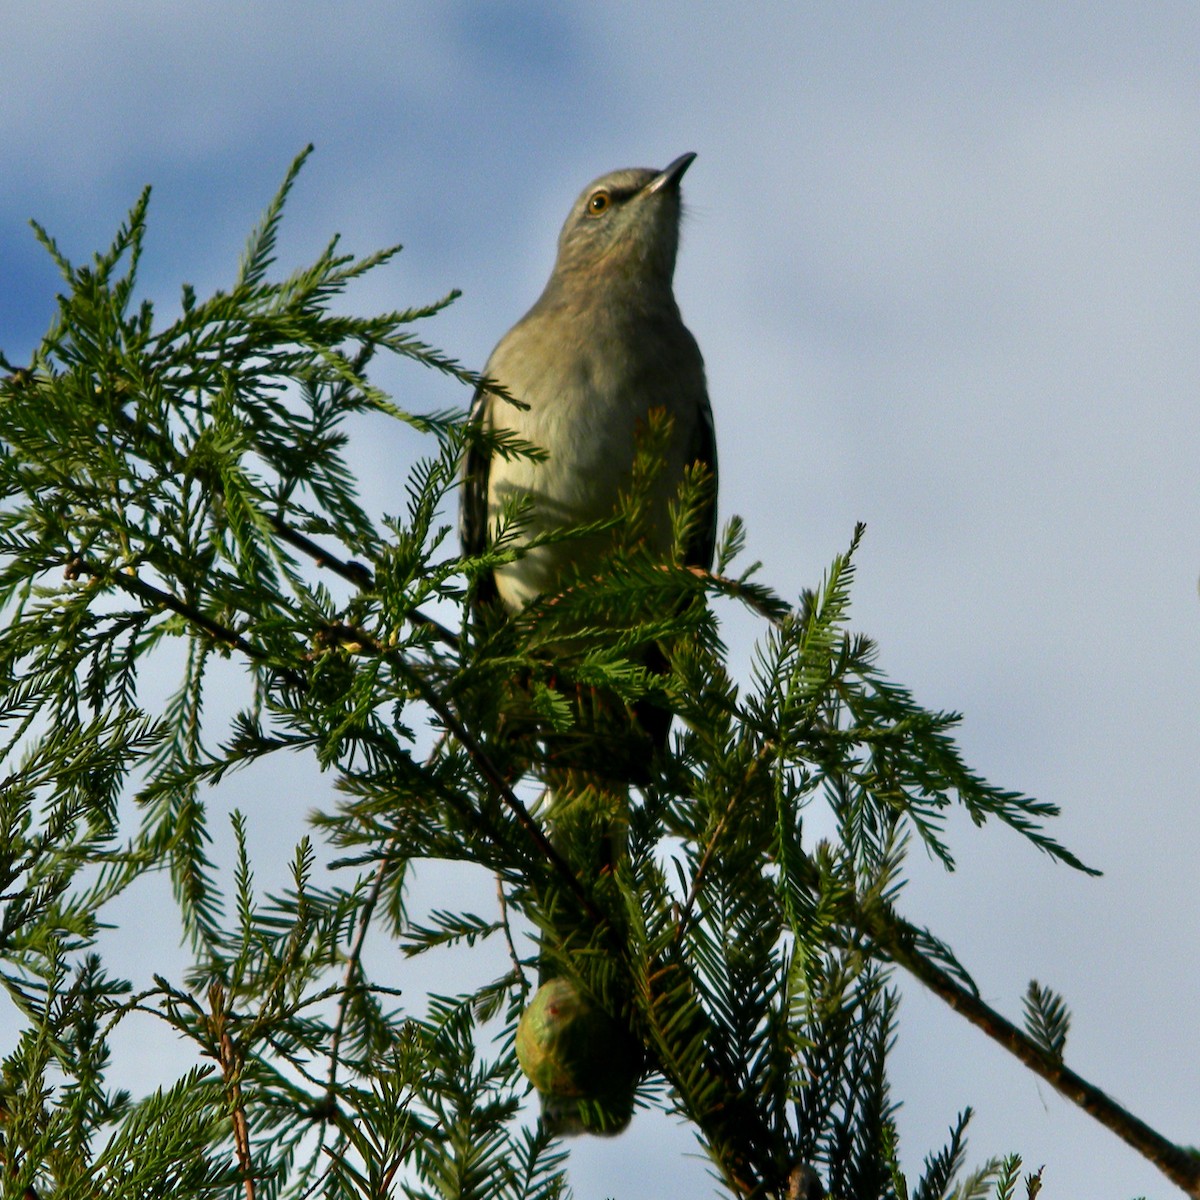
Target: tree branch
x,y
898,940
231,1072
135,585
359,574
495,777
146,591
353,572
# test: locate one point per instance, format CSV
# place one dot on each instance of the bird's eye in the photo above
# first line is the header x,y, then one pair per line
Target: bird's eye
x,y
598,203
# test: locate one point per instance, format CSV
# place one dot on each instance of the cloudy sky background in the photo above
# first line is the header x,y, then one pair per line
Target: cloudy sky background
x,y
943,264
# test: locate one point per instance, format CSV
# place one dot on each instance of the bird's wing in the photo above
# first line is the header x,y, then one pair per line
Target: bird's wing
x,y
473,504
703,545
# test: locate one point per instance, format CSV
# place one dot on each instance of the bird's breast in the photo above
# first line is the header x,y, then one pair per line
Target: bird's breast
x,y
587,395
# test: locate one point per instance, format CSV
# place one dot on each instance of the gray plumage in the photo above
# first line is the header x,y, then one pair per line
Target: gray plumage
x,y
603,345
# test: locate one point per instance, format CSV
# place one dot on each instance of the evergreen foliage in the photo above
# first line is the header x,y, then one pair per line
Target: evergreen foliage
x,y
180,497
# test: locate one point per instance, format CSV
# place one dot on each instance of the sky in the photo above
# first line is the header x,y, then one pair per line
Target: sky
x,y
943,262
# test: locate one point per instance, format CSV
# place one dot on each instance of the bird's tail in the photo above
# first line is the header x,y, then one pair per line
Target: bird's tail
x,y
574,1040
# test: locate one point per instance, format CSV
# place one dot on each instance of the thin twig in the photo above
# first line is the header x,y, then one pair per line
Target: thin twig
x,y
512,949
353,964
353,572
136,586
898,940
356,573
685,912
231,1072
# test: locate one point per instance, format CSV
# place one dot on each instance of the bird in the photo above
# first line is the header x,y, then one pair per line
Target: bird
x,y
579,377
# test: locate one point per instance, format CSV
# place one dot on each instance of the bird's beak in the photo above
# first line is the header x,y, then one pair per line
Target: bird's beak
x,y
669,177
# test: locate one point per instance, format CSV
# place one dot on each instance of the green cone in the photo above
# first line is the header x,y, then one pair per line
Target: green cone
x,y
584,1064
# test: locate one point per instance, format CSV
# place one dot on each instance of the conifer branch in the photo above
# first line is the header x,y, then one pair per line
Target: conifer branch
x,y
689,903
514,957
132,583
898,941
231,1072
495,777
758,996
359,574
353,966
363,641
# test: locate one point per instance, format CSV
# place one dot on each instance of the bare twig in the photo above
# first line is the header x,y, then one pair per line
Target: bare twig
x,y
512,949
353,572
231,1072
898,940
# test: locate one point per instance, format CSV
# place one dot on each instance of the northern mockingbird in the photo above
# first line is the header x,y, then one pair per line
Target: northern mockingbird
x,y
603,346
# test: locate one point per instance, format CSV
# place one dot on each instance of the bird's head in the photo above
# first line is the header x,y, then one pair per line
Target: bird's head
x,y
625,226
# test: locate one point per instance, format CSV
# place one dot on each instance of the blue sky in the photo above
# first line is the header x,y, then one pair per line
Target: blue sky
x,y
943,263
